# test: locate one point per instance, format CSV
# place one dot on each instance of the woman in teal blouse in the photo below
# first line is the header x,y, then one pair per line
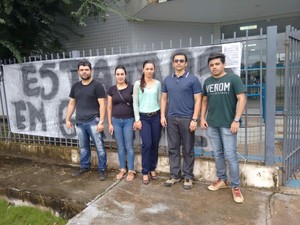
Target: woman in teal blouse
x,y
146,105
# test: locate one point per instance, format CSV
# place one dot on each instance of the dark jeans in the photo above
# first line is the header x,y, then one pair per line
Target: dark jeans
x,y
179,134
150,134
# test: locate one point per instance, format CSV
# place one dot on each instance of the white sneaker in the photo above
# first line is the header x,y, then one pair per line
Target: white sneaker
x,y
237,195
219,184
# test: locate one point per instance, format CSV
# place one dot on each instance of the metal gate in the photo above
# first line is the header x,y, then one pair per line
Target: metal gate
x,y
291,144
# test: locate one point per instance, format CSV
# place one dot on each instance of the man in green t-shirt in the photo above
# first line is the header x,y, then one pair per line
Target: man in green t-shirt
x,y
224,102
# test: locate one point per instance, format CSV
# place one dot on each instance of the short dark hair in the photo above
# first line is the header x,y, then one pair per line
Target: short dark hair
x,y
84,62
216,55
179,53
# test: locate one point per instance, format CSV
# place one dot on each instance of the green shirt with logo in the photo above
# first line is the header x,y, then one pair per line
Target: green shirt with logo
x,y
221,96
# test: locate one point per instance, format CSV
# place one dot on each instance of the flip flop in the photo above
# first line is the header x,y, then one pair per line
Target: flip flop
x,y
121,174
130,175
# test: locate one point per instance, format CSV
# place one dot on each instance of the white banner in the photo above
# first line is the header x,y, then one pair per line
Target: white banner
x,y
38,92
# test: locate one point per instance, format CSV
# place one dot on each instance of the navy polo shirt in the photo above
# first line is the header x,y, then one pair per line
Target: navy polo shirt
x,y
181,92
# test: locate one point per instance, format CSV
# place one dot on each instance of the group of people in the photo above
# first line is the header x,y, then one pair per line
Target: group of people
x,y
149,106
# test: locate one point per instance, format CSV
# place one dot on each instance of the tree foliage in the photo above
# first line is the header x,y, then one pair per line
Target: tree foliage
x,y
98,8
33,27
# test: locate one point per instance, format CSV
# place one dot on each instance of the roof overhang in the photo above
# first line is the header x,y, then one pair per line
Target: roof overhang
x,y
216,11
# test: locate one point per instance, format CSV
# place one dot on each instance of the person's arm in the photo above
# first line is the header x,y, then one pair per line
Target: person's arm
x,y
163,107
203,122
197,105
109,114
100,126
241,104
70,110
135,98
159,92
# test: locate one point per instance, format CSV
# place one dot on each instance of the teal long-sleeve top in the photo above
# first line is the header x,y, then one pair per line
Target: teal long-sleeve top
x,y
147,101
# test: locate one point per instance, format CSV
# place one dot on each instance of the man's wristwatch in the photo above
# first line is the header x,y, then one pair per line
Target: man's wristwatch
x,y
195,120
101,122
237,120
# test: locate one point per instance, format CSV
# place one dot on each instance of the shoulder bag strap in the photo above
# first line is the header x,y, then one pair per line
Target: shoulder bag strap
x,y
127,103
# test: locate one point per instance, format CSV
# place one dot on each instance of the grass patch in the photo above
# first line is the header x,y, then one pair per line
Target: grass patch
x,y
24,215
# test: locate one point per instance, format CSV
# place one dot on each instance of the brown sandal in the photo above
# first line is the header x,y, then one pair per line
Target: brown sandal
x,y
153,175
146,181
130,175
121,174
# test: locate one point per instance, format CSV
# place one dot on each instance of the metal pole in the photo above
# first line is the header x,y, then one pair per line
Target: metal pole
x,y
270,95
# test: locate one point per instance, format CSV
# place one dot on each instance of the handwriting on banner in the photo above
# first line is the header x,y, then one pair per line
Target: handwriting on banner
x,y
42,84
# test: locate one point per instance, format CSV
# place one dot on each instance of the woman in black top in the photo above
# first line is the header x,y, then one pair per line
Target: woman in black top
x,y
120,121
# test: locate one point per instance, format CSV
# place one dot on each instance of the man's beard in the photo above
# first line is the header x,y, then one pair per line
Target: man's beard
x,y
85,78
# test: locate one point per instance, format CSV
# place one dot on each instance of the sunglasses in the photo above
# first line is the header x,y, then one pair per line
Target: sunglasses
x,y
179,60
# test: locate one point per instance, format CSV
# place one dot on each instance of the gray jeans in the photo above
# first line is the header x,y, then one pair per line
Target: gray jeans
x,y
179,134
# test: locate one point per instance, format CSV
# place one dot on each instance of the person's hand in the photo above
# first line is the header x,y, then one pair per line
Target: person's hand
x,y
69,124
110,129
234,127
163,121
138,125
100,127
193,126
203,124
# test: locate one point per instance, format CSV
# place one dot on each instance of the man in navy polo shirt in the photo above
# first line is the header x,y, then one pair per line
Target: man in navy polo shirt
x,y
181,93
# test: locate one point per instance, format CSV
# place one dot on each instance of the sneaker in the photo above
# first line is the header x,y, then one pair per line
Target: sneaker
x,y
237,195
219,184
171,181
80,172
188,184
102,175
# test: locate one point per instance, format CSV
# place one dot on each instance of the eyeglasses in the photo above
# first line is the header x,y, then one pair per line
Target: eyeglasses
x,y
179,60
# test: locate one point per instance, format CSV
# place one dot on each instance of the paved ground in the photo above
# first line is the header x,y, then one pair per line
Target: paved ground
x,y
86,200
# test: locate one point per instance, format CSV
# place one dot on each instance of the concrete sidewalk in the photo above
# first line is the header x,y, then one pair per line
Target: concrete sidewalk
x,y
90,201
136,203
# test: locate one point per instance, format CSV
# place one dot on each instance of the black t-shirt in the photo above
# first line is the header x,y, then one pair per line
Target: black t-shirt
x,y
86,96
119,108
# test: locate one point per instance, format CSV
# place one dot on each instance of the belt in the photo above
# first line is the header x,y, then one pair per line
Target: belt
x,y
150,114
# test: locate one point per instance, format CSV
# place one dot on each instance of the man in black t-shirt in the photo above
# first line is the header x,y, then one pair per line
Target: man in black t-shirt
x,y
88,98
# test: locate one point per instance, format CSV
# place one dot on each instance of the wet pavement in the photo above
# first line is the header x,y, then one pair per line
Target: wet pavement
x,y
87,200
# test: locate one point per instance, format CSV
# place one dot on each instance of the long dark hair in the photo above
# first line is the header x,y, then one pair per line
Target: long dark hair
x,y
143,83
122,68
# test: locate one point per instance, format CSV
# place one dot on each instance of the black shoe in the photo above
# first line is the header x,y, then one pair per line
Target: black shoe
x,y
80,172
102,175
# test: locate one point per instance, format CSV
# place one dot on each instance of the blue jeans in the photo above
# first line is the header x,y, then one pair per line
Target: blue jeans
x,y
179,134
150,134
224,144
85,132
124,135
